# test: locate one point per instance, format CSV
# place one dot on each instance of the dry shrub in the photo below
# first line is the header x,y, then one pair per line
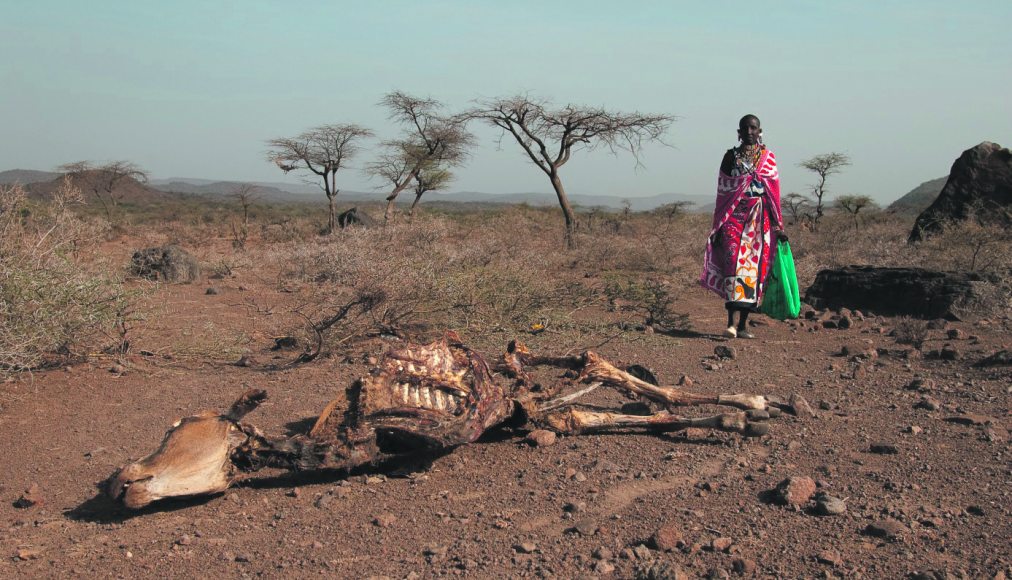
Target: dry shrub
x,y
51,305
428,273
910,331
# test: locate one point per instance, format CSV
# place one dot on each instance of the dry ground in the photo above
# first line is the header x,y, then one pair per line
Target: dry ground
x,y
500,508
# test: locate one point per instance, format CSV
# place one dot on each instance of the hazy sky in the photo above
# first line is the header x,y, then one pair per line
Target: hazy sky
x,y
193,89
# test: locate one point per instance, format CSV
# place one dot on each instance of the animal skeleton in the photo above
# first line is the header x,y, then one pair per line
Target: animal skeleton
x,y
418,398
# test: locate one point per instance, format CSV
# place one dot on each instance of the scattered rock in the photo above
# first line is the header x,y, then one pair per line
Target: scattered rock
x,y
384,520
743,566
30,498
955,334
721,544
642,552
602,567
914,430
526,547
949,352
212,291
685,381
928,403
541,438
434,551
723,351
28,553
243,558
575,507
799,406
884,448
828,505
1000,358
970,419
795,491
603,553
668,538
888,528
586,527
184,540
921,385
831,557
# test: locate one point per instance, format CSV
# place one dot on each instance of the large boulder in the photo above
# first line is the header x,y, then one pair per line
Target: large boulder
x,y
354,217
907,291
165,264
979,185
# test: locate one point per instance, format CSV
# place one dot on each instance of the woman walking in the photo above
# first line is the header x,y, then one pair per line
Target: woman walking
x,y
738,250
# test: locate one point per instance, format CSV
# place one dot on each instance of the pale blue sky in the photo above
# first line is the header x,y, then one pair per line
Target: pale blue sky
x,y
193,89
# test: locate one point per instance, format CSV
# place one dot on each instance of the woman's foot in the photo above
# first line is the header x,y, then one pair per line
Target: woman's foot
x,y
731,332
742,333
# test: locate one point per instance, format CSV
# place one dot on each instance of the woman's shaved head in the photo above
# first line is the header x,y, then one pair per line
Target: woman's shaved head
x,y
750,117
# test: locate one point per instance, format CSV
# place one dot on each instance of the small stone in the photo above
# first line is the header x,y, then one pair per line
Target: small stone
x,y
579,477
914,430
30,498
831,557
603,567
845,322
668,538
799,406
294,492
323,501
184,540
384,520
586,527
317,545
830,323
723,351
243,558
721,544
884,448
375,479
889,529
928,403
970,419
575,507
642,552
950,352
921,385
501,524
685,381
955,334
603,553
526,547
937,324
244,361
975,510
828,505
28,553
743,566
211,291
795,491
541,438
434,550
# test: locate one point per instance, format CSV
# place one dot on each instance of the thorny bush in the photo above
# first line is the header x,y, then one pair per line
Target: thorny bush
x,y
53,307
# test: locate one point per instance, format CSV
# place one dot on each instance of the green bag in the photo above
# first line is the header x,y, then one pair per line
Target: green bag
x,y
781,300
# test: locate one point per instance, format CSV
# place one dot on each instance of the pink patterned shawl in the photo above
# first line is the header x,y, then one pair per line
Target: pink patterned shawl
x,y
730,190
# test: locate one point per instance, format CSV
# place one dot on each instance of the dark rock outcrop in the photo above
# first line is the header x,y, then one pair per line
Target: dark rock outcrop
x,y
914,292
169,263
979,185
353,217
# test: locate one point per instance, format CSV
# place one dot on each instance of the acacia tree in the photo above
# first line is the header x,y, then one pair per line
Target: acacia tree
x,y
429,179
431,142
323,150
823,166
103,181
795,204
852,204
548,135
245,195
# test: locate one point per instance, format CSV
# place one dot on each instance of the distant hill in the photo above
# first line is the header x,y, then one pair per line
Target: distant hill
x,y
43,183
920,197
26,176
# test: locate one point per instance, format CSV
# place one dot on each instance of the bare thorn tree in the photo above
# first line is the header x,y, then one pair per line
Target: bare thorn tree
x,y
823,166
431,142
796,205
852,204
103,181
429,179
245,195
548,136
323,151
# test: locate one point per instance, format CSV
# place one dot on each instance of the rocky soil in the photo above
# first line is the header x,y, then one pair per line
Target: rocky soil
x,y
895,462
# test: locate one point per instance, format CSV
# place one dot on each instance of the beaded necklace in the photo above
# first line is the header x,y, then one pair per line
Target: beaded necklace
x,y
751,155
